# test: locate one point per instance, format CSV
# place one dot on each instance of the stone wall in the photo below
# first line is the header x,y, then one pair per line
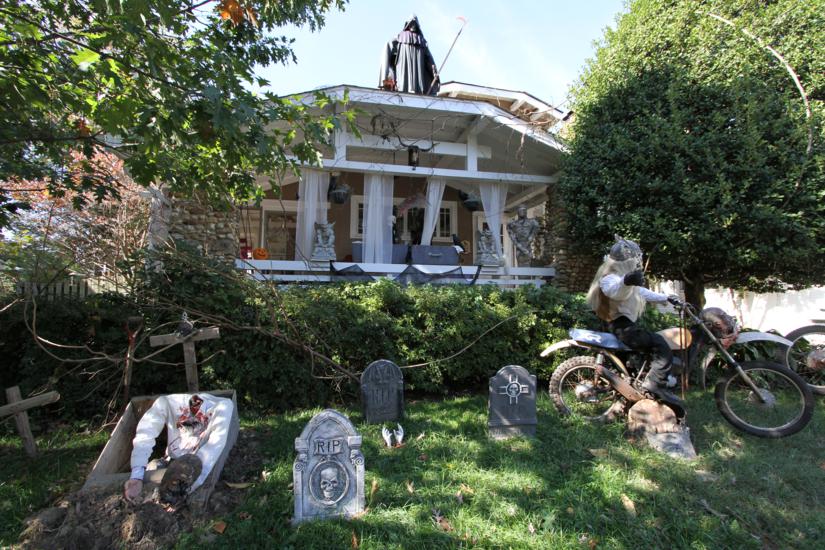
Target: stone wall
x,y
211,230
574,270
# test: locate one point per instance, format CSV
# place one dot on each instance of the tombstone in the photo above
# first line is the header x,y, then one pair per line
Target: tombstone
x,y
328,473
512,403
382,392
660,427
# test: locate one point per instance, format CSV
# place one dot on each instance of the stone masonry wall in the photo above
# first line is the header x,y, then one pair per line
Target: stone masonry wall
x,y
212,231
574,270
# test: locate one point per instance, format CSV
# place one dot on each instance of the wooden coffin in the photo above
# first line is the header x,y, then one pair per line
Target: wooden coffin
x,y
113,465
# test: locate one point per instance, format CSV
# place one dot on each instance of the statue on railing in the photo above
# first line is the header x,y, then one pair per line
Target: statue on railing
x,y
522,231
407,64
486,253
323,249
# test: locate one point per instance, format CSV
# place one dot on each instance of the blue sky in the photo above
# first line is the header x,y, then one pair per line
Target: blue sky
x,y
534,46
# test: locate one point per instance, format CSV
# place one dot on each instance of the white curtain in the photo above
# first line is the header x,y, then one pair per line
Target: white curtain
x,y
378,218
312,209
435,191
493,199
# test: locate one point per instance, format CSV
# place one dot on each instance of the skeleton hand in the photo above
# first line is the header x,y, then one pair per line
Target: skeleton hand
x,y
399,435
132,490
387,435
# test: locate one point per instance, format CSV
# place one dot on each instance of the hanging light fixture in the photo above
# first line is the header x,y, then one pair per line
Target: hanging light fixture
x,y
413,152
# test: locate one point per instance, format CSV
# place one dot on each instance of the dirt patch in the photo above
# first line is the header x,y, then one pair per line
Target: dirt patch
x,y
101,518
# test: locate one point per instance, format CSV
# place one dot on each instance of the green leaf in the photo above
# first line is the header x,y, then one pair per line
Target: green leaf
x,y
84,58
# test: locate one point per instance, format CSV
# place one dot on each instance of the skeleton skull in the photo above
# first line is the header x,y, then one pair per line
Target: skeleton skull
x,y
329,482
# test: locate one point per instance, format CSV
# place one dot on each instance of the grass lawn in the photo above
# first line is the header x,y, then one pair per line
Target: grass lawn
x,y
575,486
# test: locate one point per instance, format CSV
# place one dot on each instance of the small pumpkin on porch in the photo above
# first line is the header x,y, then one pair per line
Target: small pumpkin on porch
x,y
260,254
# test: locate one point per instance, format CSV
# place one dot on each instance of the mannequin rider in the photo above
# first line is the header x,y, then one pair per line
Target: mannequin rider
x,y
618,296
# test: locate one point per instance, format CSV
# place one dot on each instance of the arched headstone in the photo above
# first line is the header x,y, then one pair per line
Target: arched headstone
x,y
382,392
512,403
328,473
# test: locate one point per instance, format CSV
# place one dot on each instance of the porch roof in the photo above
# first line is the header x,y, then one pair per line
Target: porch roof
x,y
459,138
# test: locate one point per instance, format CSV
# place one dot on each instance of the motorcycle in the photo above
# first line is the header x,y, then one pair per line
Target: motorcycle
x,y
759,397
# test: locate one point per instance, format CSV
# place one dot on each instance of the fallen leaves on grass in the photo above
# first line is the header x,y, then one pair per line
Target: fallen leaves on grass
x,y
467,489
219,527
244,516
421,436
459,497
440,521
531,528
822,466
598,453
354,542
707,507
629,505
423,457
410,486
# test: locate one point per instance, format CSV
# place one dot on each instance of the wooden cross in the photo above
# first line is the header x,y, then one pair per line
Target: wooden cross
x,y
189,357
18,407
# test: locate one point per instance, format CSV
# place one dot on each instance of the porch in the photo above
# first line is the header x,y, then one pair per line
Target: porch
x,y
424,192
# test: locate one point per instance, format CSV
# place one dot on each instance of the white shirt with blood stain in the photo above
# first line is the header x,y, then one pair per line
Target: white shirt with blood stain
x,y
204,434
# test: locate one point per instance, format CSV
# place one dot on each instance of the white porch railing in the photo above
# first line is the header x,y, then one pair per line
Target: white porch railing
x,y
319,272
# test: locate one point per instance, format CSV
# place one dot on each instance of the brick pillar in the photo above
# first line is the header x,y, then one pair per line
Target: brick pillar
x,y
574,270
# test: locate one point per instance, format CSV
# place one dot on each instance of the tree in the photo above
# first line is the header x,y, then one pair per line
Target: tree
x,y
104,240
162,83
692,137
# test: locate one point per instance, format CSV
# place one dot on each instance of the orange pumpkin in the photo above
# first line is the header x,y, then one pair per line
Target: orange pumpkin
x,y
260,254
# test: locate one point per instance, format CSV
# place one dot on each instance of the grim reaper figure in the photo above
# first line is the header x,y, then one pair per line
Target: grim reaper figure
x,y
407,64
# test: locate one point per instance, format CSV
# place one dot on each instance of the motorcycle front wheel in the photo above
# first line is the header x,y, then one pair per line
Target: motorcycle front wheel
x,y
576,389
806,355
783,406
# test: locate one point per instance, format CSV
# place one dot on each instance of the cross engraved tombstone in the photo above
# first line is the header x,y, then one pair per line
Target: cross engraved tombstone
x,y
328,473
382,392
512,403
189,357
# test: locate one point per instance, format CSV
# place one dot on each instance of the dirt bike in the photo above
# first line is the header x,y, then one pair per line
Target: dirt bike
x,y
805,355
761,398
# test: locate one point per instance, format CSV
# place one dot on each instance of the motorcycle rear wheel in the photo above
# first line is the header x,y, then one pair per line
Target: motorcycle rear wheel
x,y
576,389
806,341
786,406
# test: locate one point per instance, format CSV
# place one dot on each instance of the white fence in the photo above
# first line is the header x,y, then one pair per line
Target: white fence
x,y
779,311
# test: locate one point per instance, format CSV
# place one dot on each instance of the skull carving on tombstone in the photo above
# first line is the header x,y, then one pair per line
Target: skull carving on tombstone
x,y
329,482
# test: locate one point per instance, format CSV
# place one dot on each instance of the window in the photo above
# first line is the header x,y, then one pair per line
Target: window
x,y
446,226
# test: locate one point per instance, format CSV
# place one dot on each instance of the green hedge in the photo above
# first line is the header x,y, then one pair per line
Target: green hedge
x,y
353,324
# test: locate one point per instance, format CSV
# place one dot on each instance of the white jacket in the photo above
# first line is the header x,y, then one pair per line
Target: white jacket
x,y
205,434
628,301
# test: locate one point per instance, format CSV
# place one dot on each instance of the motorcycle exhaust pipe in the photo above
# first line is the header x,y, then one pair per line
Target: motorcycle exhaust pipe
x,y
622,386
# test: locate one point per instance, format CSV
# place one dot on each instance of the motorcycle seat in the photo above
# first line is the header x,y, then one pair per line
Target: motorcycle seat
x,y
598,339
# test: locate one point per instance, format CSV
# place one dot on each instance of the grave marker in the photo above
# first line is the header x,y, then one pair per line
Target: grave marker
x,y
18,406
382,392
328,473
189,356
512,403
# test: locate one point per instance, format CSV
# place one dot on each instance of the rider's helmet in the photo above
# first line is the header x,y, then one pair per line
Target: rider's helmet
x,y
624,250
722,325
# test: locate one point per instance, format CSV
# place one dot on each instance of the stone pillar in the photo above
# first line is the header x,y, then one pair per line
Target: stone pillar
x,y
211,230
574,269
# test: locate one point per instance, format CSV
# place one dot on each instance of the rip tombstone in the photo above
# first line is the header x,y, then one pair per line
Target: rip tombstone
x,y
512,403
328,473
382,392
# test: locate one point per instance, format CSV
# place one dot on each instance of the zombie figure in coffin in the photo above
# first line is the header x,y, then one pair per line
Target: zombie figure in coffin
x,y
197,427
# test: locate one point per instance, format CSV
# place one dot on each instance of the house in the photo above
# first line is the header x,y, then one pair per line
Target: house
x,y
477,153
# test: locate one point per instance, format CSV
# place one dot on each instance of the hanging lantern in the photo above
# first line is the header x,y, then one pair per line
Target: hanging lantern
x,y
413,155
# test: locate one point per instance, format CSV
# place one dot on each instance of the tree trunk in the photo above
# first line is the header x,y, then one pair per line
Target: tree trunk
x,y
695,291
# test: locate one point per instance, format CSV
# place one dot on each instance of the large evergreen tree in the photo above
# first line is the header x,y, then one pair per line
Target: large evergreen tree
x,y
163,83
692,136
